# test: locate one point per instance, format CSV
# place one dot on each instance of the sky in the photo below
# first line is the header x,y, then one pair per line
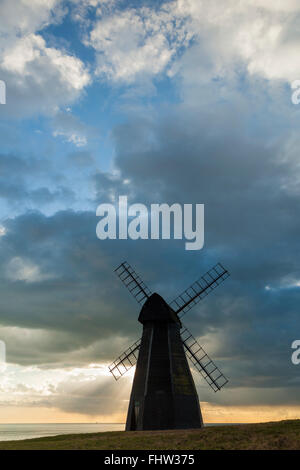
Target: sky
x,y
185,101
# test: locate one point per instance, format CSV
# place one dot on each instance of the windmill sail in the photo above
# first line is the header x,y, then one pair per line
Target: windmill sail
x,y
125,361
200,289
133,282
202,362
182,304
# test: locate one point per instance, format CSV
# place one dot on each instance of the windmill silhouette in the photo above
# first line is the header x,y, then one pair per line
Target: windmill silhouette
x,y
163,393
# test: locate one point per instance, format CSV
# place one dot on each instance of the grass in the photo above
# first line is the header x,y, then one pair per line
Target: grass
x,y
274,435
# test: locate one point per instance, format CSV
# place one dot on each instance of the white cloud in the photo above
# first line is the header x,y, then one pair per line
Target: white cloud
x,y
137,42
287,282
38,78
30,54
260,36
72,137
19,269
78,140
277,5
81,9
20,17
133,45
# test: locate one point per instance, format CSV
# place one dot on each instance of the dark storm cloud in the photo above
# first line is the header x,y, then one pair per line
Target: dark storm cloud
x,y
66,250
63,284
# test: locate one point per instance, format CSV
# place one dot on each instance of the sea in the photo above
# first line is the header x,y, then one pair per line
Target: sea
x,y
16,432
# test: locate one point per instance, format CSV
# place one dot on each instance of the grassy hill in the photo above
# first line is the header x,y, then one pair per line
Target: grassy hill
x,y
275,435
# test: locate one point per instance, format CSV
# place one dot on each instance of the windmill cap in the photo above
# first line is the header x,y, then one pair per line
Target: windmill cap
x,y
156,309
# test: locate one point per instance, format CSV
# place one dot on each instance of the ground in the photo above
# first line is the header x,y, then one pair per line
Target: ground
x,y
275,435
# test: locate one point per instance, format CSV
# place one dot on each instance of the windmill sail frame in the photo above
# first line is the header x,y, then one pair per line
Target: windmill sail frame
x,y
199,289
133,282
202,361
125,361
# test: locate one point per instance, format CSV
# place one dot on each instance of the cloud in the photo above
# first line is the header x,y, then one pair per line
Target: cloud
x,y
59,262
138,43
85,391
108,187
39,78
258,37
82,9
241,321
249,184
91,397
24,16
72,129
30,182
135,43
198,42
19,269
231,142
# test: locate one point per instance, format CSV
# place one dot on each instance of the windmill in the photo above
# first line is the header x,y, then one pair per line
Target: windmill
x,y
163,393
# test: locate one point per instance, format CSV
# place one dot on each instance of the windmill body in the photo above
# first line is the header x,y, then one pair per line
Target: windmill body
x,y
163,393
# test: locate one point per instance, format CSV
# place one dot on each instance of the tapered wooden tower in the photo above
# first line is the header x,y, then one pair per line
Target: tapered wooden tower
x,y
163,394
